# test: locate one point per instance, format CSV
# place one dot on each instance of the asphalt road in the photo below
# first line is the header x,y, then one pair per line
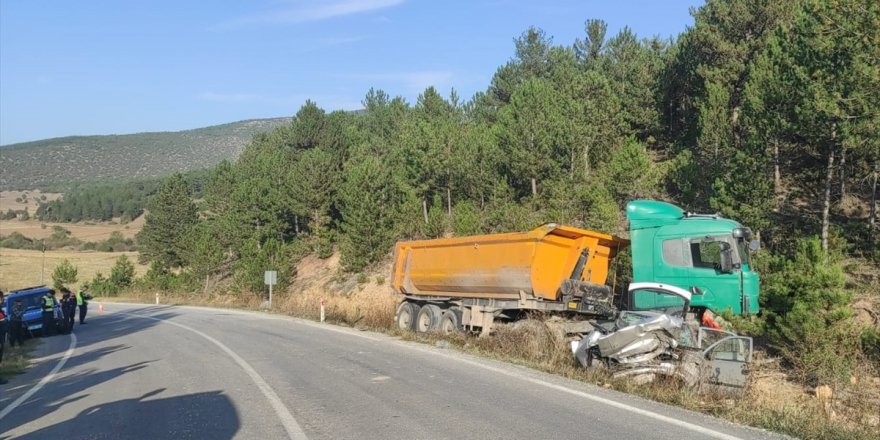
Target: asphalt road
x,y
161,372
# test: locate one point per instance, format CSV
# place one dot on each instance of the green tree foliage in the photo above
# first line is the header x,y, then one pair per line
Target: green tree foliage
x,y
307,126
122,273
172,214
366,205
65,273
704,84
99,202
817,94
255,260
807,309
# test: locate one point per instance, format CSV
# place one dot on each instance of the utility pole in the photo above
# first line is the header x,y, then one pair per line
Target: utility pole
x,y
43,266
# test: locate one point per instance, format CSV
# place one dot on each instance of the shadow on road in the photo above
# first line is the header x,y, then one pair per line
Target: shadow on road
x,y
209,415
103,327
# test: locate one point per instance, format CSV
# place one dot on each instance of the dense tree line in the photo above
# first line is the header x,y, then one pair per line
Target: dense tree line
x,y
765,111
105,202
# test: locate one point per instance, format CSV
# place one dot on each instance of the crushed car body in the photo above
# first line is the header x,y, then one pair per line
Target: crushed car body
x,y
652,337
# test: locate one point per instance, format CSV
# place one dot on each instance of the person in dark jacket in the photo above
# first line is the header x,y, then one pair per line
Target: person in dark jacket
x,y
49,313
4,324
16,326
68,310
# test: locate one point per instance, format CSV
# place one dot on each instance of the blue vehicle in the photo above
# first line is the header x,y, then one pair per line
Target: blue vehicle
x,y
32,298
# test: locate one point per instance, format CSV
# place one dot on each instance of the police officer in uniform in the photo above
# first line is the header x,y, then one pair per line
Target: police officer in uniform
x,y
68,310
82,298
49,313
16,324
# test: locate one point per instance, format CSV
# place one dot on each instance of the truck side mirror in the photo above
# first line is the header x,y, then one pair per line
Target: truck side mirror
x,y
726,259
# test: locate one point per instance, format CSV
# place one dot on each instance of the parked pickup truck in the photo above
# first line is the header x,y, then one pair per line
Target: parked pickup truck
x,y
32,298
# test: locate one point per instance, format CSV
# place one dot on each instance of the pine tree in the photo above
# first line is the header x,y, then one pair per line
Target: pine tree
x,y
171,215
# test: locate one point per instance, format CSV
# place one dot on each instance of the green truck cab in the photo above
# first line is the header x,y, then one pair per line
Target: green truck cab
x,y
705,254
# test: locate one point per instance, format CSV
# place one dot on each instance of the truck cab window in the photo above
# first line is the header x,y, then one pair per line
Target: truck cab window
x,y
674,252
706,254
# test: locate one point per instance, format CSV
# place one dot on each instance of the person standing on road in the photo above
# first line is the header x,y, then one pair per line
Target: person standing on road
x,y
68,310
49,313
82,300
4,325
16,324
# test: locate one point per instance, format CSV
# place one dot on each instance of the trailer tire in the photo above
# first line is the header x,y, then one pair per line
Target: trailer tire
x,y
428,318
450,322
406,315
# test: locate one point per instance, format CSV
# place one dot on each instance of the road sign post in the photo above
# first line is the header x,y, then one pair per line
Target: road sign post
x,y
271,279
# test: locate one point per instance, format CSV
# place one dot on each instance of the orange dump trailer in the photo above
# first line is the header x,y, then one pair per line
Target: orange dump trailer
x,y
471,281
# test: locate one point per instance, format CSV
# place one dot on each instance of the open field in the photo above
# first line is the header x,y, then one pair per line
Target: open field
x,y
22,268
18,200
35,229
84,231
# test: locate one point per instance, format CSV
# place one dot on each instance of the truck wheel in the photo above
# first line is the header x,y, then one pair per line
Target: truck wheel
x,y
428,318
450,322
406,315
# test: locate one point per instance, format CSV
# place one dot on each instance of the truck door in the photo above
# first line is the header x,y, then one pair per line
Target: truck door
x,y
728,356
672,264
717,285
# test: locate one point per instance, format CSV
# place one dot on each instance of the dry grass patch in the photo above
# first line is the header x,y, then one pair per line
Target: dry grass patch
x,y
22,268
20,200
83,231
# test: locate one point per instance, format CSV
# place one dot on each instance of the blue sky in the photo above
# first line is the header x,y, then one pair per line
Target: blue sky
x,y
116,67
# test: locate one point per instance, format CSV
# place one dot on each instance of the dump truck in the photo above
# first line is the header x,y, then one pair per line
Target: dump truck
x,y
457,283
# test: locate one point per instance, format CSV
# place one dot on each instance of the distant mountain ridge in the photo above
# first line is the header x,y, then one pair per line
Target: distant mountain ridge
x,y
56,164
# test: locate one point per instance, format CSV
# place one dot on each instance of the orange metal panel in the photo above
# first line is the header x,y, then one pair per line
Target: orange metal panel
x,y
502,265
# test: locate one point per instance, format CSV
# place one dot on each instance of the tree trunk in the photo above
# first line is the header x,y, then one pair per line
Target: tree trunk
x,y
826,202
842,173
872,219
449,201
534,188
777,176
586,159
425,210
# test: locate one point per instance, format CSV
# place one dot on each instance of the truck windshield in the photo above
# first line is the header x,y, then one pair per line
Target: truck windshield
x,y
742,247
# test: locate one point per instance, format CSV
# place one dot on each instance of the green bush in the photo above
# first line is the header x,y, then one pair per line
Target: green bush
x,y
158,277
65,273
122,273
16,240
101,286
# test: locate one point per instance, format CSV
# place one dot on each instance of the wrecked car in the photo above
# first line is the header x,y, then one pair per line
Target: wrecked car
x,y
653,337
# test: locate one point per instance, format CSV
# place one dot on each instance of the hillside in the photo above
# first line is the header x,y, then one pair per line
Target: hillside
x,y
57,163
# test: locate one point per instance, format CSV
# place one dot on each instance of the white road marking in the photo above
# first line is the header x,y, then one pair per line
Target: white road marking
x,y
9,408
294,431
